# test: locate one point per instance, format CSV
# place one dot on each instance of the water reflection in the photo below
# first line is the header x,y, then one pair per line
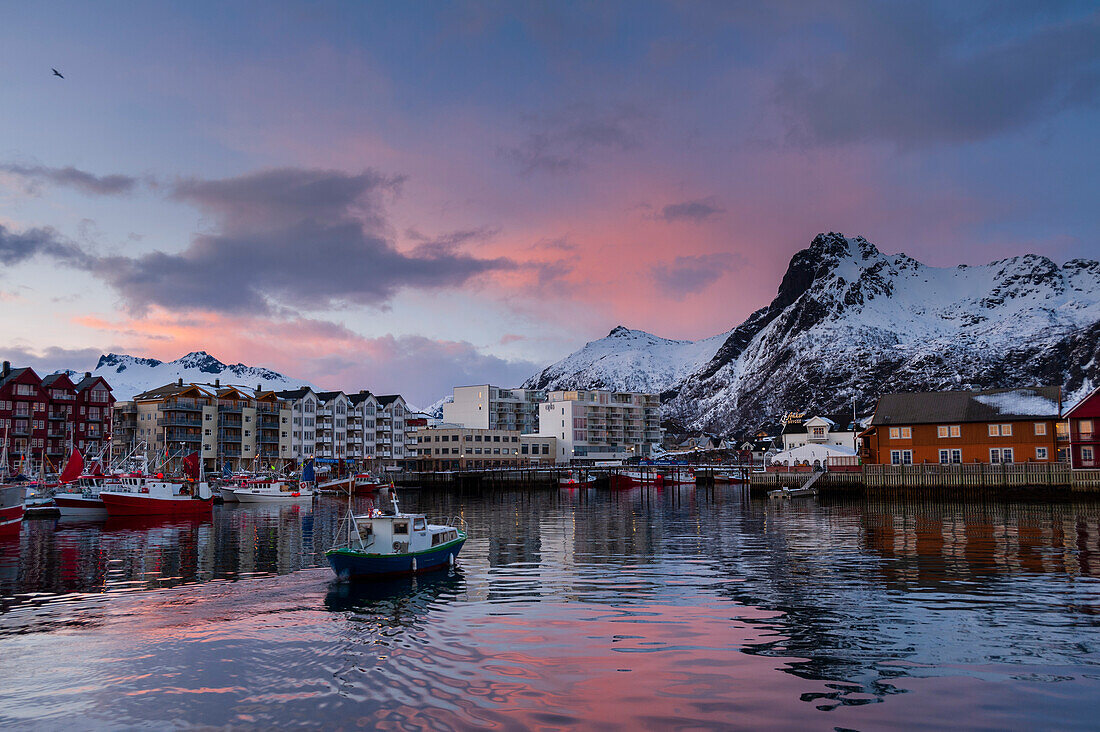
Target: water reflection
x,y
584,605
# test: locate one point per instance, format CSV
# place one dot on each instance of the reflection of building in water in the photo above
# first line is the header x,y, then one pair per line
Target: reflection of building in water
x,y
962,540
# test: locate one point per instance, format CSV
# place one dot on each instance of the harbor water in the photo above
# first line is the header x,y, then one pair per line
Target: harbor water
x,y
637,609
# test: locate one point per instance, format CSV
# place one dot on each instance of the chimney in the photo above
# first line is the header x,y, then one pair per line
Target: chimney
x,y
87,374
180,382
7,368
259,388
217,383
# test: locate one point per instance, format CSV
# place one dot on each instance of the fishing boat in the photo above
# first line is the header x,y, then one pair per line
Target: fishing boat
x,y
381,543
572,481
12,496
271,490
358,484
791,492
141,495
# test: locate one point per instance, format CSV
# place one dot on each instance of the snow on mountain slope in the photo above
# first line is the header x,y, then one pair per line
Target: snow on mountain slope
x,y
850,323
629,359
130,375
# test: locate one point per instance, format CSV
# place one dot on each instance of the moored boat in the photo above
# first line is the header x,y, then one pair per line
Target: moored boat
x,y
574,481
12,496
270,490
378,544
140,495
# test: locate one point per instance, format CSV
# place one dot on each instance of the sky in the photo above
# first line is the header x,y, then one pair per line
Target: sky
x,y
408,196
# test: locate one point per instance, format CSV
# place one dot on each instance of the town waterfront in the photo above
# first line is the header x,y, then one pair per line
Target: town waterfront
x,y
645,608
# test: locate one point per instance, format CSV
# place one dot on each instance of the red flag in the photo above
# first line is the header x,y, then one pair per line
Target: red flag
x,y
73,468
190,466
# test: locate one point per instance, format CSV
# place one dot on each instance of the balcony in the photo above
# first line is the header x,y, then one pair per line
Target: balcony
x,y
180,405
179,420
56,416
230,408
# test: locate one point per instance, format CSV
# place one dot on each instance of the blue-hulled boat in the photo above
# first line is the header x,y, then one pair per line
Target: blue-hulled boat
x,y
387,543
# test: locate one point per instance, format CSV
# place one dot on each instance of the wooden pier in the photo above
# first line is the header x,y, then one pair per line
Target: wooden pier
x,y
943,478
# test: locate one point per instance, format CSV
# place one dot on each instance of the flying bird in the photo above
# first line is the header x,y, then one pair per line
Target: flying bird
x,y
56,73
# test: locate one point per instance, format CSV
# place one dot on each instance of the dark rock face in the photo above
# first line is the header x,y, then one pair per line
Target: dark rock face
x,y
849,323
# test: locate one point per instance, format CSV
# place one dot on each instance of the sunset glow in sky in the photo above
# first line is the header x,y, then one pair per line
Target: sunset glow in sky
x,y
406,196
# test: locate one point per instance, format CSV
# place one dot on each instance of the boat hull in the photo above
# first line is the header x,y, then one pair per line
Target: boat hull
x,y
140,504
243,497
78,505
11,519
228,496
348,564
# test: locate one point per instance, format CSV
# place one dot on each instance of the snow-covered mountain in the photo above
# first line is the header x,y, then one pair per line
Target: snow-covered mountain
x,y
629,359
130,375
850,323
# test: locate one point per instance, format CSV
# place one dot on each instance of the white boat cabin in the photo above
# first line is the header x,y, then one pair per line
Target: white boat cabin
x,y
378,533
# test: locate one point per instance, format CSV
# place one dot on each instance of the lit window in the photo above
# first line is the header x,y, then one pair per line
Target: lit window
x,y
1041,429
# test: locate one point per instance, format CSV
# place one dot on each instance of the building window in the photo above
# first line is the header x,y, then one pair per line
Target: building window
x,y
994,452
949,430
901,433
1086,454
1040,428
945,456
901,457
1084,428
1000,430
1040,453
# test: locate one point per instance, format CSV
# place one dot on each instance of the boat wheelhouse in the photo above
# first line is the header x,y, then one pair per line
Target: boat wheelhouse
x,y
381,543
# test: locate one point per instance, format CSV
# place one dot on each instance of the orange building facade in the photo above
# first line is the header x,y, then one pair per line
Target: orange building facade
x,y
964,427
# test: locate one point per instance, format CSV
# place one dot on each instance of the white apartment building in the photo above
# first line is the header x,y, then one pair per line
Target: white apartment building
x,y
596,424
390,430
484,406
362,426
332,425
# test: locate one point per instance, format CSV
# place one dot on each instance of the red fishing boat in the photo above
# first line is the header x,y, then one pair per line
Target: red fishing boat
x,y
158,496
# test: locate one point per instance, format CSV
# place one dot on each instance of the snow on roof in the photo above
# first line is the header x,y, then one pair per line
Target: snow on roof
x,y
1026,403
813,452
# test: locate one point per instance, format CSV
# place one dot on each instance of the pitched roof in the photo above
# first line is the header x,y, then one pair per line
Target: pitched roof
x,y
15,374
328,395
49,380
360,397
840,423
1086,398
387,399
968,406
89,381
293,394
168,390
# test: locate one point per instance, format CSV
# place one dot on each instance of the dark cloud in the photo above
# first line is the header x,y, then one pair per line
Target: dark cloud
x,y
449,242
904,75
288,237
696,211
686,275
53,359
16,248
562,142
101,185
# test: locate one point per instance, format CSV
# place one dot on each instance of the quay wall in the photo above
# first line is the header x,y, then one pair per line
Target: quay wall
x,y
945,478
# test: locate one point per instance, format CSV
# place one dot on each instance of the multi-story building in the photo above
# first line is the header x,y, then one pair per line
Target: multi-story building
x,y
390,431
360,428
538,450
332,425
490,407
594,424
362,415
225,424
41,418
953,427
832,429
1084,432
455,447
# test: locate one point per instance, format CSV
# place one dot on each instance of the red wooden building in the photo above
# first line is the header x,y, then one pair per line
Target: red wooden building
x,y
1084,437
39,417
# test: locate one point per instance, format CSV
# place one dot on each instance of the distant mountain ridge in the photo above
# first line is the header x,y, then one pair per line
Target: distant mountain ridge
x,y
849,323
130,375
